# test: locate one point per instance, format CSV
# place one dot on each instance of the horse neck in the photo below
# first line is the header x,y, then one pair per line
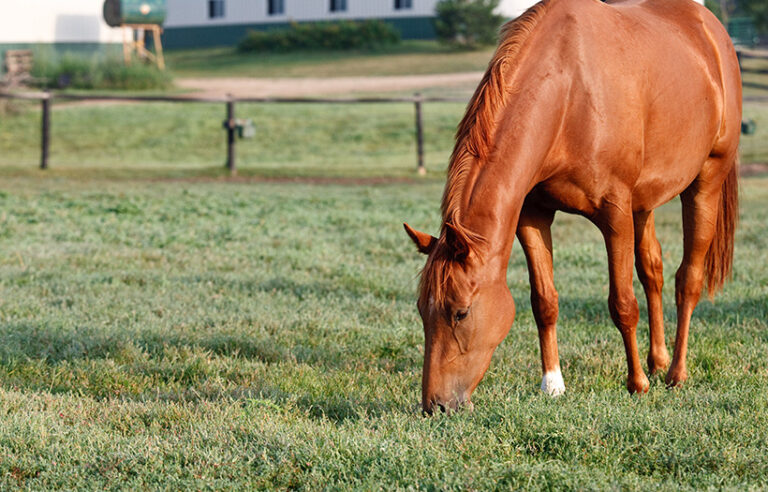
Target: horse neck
x,y
529,100
493,201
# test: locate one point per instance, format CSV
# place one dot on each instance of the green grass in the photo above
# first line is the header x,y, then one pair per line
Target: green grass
x,y
307,140
754,148
407,58
196,335
166,140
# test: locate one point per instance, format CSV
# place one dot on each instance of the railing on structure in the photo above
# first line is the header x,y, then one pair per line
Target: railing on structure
x,y
230,123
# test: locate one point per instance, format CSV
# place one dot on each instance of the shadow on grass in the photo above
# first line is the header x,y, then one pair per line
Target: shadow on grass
x,y
135,359
53,344
345,286
719,312
250,174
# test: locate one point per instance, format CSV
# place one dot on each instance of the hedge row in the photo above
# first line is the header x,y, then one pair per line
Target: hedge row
x,y
77,72
343,35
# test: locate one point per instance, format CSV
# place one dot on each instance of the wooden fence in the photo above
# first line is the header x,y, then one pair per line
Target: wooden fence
x,y
230,123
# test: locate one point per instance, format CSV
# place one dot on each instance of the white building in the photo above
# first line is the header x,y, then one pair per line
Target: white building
x,y
71,26
224,22
192,23
54,21
78,25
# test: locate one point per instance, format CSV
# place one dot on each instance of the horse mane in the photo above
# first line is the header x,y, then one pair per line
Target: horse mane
x,y
474,144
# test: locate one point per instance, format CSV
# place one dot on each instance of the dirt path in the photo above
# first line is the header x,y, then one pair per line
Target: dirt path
x,y
294,87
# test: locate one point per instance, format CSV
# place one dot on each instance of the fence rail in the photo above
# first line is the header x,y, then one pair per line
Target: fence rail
x,y
230,123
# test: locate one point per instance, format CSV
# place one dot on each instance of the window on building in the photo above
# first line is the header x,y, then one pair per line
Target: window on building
x,y
276,7
215,9
403,4
338,5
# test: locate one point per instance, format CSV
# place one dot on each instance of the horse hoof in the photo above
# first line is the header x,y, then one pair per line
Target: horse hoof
x,y
658,363
675,379
639,385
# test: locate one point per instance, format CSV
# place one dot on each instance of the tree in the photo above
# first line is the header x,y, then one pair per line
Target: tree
x,y
758,10
467,23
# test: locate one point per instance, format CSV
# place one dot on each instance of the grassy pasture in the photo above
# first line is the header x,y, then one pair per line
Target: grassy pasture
x,y
292,140
202,334
406,58
366,140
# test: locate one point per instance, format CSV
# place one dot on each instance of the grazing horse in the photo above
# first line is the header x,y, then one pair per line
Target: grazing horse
x,y
603,110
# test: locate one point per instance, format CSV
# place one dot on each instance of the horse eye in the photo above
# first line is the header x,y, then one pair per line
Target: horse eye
x,y
460,315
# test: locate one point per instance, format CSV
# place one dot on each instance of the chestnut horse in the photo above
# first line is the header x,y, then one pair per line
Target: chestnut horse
x,y
603,110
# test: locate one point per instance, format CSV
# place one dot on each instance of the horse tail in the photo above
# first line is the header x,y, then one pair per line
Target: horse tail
x,y
719,259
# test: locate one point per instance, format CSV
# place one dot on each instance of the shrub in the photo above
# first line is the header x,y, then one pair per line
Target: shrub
x,y
343,35
77,72
114,74
467,23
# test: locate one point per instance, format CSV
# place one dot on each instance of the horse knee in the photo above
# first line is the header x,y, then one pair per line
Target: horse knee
x,y
624,311
545,308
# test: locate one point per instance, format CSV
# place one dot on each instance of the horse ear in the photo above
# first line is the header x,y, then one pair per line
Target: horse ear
x,y
424,242
457,241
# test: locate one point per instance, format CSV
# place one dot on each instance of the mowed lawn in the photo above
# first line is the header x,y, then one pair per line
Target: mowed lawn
x,y
197,334
406,58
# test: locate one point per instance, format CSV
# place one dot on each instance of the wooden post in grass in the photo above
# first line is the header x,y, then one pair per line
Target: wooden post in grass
x,y
230,124
419,136
45,130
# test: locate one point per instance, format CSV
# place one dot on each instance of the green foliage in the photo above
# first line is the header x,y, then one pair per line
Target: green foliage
x,y
755,10
467,23
758,11
714,7
344,35
77,72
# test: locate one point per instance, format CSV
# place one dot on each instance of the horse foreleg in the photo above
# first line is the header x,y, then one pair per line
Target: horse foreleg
x,y
617,226
533,231
650,271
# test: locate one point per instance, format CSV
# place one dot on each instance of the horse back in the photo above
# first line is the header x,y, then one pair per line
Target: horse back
x,y
651,90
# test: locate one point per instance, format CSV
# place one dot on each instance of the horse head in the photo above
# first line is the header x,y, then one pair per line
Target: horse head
x,y
466,312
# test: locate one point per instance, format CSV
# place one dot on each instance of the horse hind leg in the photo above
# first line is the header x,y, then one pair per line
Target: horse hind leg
x,y
710,206
533,231
650,271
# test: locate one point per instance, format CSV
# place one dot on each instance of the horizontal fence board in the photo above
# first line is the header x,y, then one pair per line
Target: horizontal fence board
x,y
190,99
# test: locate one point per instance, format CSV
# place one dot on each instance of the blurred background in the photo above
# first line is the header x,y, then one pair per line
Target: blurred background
x,y
241,49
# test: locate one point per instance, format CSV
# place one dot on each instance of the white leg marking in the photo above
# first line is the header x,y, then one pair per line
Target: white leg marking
x,y
552,383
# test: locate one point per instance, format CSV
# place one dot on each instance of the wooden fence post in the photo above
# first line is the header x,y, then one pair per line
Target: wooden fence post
x,y
45,130
419,136
231,137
